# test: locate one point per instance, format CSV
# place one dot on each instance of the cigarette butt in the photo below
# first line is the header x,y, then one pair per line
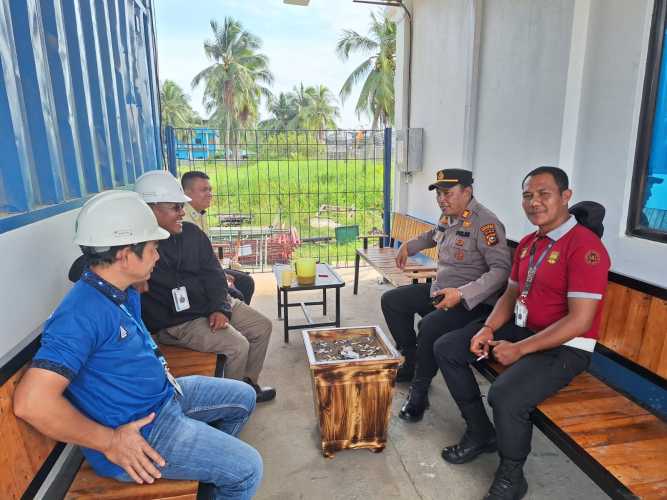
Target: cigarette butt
x,y
483,356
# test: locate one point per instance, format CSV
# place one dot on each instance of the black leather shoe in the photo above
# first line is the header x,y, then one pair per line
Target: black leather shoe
x,y
405,373
263,393
509,482
468,449
415,405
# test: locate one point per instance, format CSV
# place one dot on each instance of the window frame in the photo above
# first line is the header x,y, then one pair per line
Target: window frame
x,y
646,120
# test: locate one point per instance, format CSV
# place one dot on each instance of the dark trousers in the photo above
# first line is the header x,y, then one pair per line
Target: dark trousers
x,y
399,307
517,391
244,283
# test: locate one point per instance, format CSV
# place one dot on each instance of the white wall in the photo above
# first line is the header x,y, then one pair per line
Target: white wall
x,y
558,82
523,71
439,88
611,100
34,265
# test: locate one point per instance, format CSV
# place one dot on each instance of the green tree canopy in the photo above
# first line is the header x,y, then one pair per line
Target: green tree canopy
x,y
283,111
237,79
305,107
175,106
375,73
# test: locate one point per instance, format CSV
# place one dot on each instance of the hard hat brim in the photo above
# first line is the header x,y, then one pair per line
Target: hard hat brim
x,y
156,198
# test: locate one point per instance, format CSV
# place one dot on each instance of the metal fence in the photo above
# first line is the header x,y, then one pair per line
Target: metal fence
x,y
278,195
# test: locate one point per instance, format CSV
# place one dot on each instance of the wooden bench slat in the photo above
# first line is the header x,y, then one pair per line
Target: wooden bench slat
x,y
616,430
23,449
421,275
653,353
635,317
89,486
625,439
184,361
651,490
627,310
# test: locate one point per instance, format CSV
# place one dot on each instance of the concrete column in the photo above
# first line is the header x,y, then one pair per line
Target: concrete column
x,y
574,86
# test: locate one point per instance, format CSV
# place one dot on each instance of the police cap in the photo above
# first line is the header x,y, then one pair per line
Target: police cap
x,y
450,177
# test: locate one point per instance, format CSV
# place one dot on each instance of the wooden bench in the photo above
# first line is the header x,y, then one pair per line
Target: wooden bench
x,y
383,259
31,462
618,442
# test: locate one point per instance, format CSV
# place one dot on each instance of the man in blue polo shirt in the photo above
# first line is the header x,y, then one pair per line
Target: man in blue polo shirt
x,y
99,380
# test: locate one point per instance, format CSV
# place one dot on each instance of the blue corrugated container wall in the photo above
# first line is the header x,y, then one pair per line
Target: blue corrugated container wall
x,y
79,102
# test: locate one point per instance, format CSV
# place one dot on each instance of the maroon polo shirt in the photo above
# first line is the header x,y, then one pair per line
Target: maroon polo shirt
x,y
576,266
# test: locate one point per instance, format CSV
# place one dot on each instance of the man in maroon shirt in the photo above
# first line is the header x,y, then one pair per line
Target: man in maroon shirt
x,y
543,328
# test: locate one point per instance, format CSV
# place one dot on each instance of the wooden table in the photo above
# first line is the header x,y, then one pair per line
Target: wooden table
x,y
325,278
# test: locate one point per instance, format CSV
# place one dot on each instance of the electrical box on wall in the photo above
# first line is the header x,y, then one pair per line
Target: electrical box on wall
x,y
409,149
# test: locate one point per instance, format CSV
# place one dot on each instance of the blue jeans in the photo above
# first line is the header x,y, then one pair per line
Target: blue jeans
x,y
195,450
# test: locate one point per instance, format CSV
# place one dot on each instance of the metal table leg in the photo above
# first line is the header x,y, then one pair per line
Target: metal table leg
x,y
337,306
280,313
356,274
324,301
286,317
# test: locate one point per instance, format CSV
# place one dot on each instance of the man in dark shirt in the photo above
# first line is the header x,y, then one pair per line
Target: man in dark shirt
x,y
187,302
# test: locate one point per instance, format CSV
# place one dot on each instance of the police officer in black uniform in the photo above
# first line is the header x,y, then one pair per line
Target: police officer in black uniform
x,y
473,266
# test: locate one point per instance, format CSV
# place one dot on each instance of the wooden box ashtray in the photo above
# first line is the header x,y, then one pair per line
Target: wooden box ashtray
x,y
353,373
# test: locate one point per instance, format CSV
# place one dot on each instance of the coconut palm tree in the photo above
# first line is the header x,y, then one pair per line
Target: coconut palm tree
x,y
236,80
301,99
376,72
321,112
175,106
283,110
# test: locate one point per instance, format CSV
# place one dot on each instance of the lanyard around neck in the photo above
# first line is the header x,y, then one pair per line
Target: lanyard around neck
x,y
532,268
147,335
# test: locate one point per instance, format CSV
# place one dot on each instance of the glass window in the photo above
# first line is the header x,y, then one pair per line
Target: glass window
x,y
648,212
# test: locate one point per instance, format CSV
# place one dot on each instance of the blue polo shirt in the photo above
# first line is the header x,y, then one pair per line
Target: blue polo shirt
x,y
115,377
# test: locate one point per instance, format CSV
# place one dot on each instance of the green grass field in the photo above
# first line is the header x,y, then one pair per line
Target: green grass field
x,y
290,193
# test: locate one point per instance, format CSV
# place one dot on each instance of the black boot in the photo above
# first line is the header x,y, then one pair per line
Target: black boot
x,y
416,402
479,436
263,393
407,370
509,482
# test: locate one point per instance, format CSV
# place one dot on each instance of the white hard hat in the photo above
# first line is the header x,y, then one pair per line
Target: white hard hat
x,y
115,218
159,186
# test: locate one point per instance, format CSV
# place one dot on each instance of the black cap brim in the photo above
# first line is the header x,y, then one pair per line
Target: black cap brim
x,y
444,184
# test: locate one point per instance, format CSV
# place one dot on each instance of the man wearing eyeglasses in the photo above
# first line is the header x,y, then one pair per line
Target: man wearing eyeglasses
x,y
187,302
473,265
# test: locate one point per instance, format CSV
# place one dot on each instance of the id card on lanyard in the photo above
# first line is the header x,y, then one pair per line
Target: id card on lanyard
x,y
521,308
180,293
156,350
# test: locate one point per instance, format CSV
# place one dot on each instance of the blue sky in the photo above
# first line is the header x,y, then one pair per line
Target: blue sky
x,y
299,41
